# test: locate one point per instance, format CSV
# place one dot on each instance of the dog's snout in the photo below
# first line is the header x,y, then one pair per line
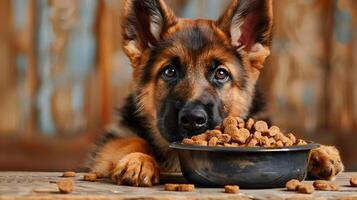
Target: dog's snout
x,y
193,119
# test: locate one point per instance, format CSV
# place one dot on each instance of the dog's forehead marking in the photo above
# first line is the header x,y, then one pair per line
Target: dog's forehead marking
x,y
194,41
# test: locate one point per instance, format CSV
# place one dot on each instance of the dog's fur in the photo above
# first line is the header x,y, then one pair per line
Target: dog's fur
x,y
183,64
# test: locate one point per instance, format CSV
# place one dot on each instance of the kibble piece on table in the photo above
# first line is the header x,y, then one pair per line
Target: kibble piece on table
x,y
99,175
325,185
231,189
65,186
186,187
90,177
353,181
69,174
306,188
292,185
170,187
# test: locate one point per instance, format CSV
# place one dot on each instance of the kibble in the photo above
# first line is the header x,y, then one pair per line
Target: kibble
x,y
201,143
65,186
300,142
230,121
273,130
234,132
305,188
252,143
291,137
188,141
292,185
69,174
249,124
231,129
231,189
186,187
240,122
212,142
325,185
200,137
213,133
90,177
99,175
261,126
353,181
170,187
224,138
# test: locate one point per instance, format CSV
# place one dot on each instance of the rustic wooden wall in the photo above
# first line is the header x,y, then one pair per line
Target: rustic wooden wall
x,y
62,73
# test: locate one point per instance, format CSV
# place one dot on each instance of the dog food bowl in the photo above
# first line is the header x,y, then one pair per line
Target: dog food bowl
x,y
248,167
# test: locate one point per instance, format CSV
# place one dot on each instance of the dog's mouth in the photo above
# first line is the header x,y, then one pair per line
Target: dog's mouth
x,y
173,133
181,119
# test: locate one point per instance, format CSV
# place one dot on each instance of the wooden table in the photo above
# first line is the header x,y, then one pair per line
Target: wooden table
x,y
42,185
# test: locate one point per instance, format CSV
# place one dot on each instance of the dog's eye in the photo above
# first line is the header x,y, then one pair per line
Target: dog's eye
x,y
221,74
169,72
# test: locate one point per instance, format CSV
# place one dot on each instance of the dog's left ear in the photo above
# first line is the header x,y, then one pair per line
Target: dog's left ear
x,y
248,23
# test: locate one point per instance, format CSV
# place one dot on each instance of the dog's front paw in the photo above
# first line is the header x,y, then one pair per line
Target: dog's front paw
x,y
325,163
136,169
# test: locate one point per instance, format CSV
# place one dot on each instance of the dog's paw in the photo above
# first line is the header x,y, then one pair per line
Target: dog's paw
x,y
325,163
136,169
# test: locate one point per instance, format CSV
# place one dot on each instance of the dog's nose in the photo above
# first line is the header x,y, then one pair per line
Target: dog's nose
x,y
193,119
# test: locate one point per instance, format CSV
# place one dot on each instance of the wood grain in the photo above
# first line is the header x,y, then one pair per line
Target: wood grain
x,y
42,185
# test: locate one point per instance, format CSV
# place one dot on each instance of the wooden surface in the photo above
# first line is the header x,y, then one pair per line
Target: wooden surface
x,y
42,185
62,73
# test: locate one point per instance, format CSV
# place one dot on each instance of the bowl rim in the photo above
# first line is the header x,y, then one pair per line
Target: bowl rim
x,y
178,145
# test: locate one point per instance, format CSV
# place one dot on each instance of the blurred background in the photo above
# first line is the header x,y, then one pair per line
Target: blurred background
x,y
62,73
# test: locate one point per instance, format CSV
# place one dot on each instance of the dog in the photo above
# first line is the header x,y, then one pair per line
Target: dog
x,y
188,75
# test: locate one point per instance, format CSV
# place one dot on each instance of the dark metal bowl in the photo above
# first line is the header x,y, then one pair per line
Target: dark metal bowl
x,y
248,167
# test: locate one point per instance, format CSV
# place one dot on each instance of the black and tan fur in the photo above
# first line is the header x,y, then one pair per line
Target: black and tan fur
x,y
181,66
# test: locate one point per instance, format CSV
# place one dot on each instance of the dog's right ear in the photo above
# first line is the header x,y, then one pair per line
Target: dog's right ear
x,y
143,24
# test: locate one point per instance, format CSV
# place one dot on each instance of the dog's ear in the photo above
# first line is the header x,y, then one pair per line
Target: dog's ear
x,y
248,23
143,23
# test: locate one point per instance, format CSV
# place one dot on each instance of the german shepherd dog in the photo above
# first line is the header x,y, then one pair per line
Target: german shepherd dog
x,y
188,75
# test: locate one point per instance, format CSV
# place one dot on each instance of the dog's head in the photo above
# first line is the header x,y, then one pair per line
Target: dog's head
x,y
190,74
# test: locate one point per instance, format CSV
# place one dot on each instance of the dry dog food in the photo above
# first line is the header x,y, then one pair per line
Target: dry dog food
x,y
231,189
65,186
170,187
305,188
99,175
292,185
179,187
353,181
186,187
325,185
90,177
69,174
234,132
